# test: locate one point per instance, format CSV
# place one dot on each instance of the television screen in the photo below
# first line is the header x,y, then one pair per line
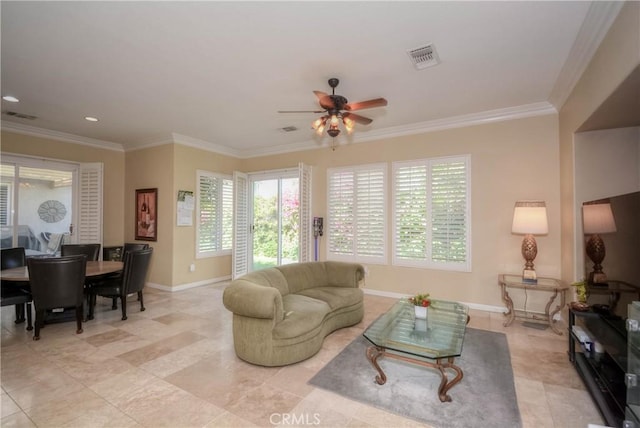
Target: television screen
x,y
621,263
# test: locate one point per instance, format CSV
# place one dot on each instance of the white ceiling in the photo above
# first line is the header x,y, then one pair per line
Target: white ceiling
x,y
216,73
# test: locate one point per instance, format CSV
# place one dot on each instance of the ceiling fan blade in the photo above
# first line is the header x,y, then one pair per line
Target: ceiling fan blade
x,y
357,118
326,102
320,94
301,111
377,102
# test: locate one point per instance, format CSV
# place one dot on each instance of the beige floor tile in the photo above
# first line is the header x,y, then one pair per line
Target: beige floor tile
x,y
17,420
229,420
7,405
110,336
174,365
264,405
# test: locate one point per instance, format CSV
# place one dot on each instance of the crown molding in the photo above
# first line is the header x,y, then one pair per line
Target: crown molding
x,y
185,140
19,128
489,116
595,26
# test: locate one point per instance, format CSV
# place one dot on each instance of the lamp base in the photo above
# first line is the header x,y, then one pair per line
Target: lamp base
x,y
597,278
529,276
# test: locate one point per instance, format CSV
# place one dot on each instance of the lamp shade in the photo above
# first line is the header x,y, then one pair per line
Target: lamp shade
x,y
530,217
598,218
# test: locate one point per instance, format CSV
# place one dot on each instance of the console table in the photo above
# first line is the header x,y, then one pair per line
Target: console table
x,y
549,285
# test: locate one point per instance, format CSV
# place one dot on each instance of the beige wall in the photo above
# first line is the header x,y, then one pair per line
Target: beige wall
x,y
153,168
615,59
114,172
510,160
187,161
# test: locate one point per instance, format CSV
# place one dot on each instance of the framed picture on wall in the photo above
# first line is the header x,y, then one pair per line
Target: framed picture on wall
x,y
147,214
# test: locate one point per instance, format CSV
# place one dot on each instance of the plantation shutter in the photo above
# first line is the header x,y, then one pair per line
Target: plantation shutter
x,y
4,204
449,211
340,219
207,208
227,214
410,213
431,213
357,213
89,219
240,251
370,213
304,180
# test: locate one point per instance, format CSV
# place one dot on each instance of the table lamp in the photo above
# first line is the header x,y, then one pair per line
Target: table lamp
x,y
597,218
530,218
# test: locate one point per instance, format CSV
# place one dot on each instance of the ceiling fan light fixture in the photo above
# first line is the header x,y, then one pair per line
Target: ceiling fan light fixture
x,y
348,124
333,132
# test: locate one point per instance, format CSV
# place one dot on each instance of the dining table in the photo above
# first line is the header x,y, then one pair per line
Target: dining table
x,y
95,269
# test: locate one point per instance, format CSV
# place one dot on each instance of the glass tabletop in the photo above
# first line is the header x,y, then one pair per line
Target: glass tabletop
x,y
439,336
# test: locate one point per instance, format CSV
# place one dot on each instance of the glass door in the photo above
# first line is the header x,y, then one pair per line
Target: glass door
x,y
275,220
36,207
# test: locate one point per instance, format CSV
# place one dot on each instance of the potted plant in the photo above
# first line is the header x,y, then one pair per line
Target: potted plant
x,y
420,303
581,293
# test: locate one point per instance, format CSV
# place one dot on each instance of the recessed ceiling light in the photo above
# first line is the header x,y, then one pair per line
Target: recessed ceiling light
x,y
10,98
91,118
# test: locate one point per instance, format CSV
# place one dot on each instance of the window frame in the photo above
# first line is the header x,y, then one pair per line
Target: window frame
x,y
354,255
427,260
220,215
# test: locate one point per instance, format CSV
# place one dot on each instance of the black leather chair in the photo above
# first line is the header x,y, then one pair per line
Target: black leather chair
x,y
128,246
92,251
132,280
13,293
57,283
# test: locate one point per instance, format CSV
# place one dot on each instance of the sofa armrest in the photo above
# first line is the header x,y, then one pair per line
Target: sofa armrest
x,y
341,274
251,300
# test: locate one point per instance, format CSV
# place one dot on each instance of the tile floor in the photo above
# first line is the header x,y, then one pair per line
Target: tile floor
x,y
173,365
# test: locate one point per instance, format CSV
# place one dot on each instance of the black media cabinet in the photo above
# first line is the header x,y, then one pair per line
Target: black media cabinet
x,y
601,360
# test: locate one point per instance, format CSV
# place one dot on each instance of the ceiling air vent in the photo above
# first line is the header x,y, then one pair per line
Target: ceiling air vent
x,y
289,129
20,115
424,56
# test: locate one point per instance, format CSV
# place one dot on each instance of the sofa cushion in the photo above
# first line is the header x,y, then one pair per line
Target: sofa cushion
x,y
301,315
300,276
335,297
269,278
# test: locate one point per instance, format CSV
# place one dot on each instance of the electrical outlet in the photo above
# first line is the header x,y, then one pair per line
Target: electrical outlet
x,y
192,267
366,271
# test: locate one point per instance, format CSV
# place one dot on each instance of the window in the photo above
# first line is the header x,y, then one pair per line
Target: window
x,y
5,204
215,215
356,224
431,213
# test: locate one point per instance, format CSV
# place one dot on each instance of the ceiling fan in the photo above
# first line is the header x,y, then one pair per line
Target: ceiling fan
x,y
337,108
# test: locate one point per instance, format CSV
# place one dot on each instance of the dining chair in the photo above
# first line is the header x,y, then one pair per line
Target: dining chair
x,y
13,293
132,280
57,283
92,251
128,246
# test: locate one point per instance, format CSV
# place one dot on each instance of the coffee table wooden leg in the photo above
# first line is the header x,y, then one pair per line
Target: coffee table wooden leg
x,y
373,353
446,385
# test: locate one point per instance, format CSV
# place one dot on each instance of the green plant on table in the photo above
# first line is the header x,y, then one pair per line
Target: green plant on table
x,y
581,290
421,300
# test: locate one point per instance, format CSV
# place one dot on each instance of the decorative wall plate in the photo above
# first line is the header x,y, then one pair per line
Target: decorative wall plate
x,y
52,211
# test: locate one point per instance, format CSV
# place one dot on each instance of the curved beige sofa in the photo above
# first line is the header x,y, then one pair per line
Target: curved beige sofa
x,y
281,315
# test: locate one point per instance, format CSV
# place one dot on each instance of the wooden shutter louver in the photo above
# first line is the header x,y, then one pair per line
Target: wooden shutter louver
x,y
240,261
89,227
449,212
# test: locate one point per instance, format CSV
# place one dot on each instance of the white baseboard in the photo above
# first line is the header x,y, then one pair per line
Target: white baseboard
x,y
477,306
187,286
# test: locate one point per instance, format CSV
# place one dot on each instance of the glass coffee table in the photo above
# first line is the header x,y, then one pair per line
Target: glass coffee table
x,y
434,342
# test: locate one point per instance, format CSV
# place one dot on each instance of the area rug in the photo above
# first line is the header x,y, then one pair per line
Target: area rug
x,y
485,397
